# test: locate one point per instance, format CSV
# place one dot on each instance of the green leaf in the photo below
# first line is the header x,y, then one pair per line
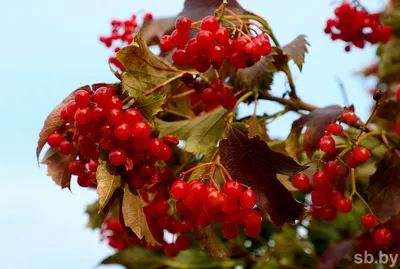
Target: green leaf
x,y
57,166
148,78
250,161
107,183
96,218
257,127
134,258
133,215
207,157
296,50
201,134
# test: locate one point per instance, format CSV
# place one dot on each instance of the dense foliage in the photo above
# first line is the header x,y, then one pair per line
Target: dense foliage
x,y
184,182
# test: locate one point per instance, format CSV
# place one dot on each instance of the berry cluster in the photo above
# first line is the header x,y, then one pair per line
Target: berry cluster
x,y
213,95
213,44
356,26
96,121
116,236
199,205
122,33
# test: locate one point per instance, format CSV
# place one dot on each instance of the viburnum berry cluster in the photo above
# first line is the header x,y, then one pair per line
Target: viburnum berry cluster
x,y
213,44
212,95
354,25
116,236
96,121
122,34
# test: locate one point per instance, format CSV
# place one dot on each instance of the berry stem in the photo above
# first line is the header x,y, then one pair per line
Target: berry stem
x,y
162,84
239,101
369,120
177,113
220,12
224,170
183,94
194,168
367,135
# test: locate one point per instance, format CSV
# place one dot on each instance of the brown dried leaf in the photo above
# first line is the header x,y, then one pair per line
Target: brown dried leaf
x,y
209,242
153,30
133,216
251,162
107,183
297,49
57,167
337,252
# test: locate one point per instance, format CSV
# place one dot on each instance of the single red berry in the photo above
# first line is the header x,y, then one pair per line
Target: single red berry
x,y
171,250
55,139
180,39
84,180
76,168
301,182
398,94
331,168
166,43
349,117
382,236
114,103
147,16
253,219
82,98
136,181
179,189
106,131
216,199
83,116
183,24
329,213
320,179
347,48
65,115
99,114
102,96
335,129
66,147
209,96
351,162
147,170
318,197
141,130
171,140
327,144
131,116
123,132
230,231
182,242
205,39
248,199
216,53
115,117
156,146
210,23
334,196
361,154
117,156
165,153
344,205
222,36
232,188
201,64
369,220
231,204
251,231
180,57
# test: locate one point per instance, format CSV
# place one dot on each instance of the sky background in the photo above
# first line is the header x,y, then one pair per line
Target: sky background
x,y
49,48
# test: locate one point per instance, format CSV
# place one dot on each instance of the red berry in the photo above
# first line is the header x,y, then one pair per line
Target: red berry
x,y
76,168
180,39
165,153
183,24
222,36
147,170
232,188
147,16
99,114
55,139
114,103
329,213
216,53
369,220
209,96
123,132
182,242
344,205
248,199
301,182
231,204
331,168
205,39
253,219
327,144
361,154
230,231
382,236
335,129
251,231
318,197
131,116
179,189
171,250
66,147
141,130
106,131
201,64
82,98
216,199
166,43
115,117
398,94
352,163
83,116
180,57
349,117
117,156
137,181
171,140
320,179
210,23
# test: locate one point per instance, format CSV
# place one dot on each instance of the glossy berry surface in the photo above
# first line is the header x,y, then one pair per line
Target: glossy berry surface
x,y
327,144
382,236
369,220
301,182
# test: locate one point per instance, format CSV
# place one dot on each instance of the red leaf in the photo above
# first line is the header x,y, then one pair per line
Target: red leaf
x,y
335,254
251,162
384,187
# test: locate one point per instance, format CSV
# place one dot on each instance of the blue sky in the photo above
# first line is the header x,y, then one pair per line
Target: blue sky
x,y
50,48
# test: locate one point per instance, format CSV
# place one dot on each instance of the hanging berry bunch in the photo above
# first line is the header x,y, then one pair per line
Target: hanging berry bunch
x,y
354,25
